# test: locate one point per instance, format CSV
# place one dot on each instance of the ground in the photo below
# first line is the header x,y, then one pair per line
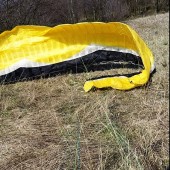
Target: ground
x,y
52,123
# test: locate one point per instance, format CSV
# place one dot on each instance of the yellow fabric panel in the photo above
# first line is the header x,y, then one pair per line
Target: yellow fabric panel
x,y
53,45
120,83
48,45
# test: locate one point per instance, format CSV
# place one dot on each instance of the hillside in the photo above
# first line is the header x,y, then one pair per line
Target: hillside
x,y
52,123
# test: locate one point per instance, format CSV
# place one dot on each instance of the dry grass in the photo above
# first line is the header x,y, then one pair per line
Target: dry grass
x,y
53,124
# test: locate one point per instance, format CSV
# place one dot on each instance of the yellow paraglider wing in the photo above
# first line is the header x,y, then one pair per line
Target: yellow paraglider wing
x,y
38,46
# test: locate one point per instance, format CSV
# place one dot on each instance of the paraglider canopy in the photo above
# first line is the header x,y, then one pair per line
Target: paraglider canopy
x,y
40,46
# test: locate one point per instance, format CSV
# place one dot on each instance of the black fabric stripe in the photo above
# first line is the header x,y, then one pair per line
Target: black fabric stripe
x,y
98,61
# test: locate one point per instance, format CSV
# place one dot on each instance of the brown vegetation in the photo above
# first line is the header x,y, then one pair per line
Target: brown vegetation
x,y
52,12
53,124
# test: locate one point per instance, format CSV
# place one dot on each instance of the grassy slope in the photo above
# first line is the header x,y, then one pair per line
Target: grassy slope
x,y
52,124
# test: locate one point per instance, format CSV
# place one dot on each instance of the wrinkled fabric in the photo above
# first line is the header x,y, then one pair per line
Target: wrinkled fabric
x,y
37,46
